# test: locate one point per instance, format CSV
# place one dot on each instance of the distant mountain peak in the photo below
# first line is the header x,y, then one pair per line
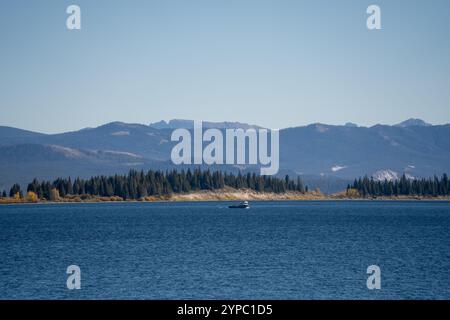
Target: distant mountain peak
x,y
389,175
386,174
413,123
159,125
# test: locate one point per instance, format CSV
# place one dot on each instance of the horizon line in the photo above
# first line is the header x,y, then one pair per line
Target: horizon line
x,y
149,124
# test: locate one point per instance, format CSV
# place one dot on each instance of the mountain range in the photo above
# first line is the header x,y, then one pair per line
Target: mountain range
x,y
326,156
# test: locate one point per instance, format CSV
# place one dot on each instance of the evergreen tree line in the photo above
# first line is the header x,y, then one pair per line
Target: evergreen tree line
x,y
417,187
138,184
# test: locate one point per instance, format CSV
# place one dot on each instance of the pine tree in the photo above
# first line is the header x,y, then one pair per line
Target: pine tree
x,y
15,189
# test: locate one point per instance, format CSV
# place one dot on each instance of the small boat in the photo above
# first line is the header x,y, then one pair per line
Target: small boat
x,y
242,205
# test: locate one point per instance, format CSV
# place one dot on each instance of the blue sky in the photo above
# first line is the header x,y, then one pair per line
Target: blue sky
x,y
274,63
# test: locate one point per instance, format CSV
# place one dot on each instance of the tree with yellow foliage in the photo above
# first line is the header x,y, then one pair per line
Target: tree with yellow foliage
x,y
32,197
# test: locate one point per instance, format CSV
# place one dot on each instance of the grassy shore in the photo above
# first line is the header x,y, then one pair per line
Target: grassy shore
x,y
227,194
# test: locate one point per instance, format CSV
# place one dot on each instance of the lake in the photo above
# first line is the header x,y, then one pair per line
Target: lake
x,y
203,250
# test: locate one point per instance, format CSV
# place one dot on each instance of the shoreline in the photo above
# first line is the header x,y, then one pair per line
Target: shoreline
x,y
5,204
230,195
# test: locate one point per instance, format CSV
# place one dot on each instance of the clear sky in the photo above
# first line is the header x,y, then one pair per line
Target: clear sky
x,y
275,63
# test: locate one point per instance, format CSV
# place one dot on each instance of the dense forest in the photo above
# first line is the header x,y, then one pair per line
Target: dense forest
x,y
368,187
140,184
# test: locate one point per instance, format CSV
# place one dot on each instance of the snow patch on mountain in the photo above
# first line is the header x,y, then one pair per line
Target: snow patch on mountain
x,y
122,153
388,175
388,139
321,128
66,151
120,133
337,168
162,141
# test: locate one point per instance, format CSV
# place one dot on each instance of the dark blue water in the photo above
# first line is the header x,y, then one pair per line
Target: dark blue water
x,y
275,250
